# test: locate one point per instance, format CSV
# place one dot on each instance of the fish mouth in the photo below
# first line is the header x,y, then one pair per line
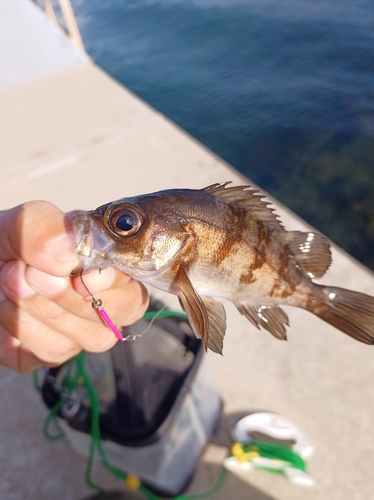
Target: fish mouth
x,y
83,238
78,271
92,244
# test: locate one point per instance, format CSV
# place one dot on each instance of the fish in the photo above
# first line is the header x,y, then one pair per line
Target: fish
x,y
220,242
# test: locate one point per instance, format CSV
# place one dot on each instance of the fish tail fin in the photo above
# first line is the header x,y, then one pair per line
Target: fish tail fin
x,y
351,312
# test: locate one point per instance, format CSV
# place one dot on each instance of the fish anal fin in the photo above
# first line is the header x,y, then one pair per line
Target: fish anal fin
x,y
193,306
216,324
249,199
271,318
311,250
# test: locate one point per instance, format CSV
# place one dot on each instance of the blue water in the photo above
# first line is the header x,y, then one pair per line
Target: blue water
x,y
283,90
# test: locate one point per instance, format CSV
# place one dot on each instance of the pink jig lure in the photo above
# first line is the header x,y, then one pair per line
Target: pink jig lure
x,y
97,305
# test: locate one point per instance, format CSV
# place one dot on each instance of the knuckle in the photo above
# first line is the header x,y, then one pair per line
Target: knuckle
x,y
49,311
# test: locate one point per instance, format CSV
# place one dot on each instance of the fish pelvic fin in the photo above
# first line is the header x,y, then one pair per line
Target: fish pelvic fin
x,y
271,318
207,317
311,250
351,312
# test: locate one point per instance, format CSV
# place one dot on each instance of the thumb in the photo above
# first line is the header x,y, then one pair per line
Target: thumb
x,y
39,234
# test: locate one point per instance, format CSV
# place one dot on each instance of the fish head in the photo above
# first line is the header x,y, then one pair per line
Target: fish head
x,y
141,236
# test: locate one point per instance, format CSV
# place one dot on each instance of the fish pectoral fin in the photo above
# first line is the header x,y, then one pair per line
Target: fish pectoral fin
x,y
311,250
207,317
193,305
271,318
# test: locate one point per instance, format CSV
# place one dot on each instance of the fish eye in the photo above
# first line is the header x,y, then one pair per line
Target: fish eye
x,y
123,221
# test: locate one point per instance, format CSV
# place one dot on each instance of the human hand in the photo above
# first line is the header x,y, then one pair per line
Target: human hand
x,y
45,315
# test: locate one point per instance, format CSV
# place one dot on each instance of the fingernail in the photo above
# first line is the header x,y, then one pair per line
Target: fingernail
x,y
45,283
15,279
62,249
96,282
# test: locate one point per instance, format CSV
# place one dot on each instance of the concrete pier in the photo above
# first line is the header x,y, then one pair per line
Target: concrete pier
x,y
72,135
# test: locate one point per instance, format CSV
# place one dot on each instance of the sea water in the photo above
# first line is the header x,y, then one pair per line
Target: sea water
x,y
281,89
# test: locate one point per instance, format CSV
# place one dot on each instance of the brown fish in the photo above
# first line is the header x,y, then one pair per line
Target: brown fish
x,y
220,242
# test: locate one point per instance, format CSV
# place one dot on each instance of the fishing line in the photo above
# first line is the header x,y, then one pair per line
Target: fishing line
x,y
97,305
154,316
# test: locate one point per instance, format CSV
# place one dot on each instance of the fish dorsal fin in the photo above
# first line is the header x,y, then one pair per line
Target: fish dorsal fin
x,y
249,199
311,250
272,318
207,317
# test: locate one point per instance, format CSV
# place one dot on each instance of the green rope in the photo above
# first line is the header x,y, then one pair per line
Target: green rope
x,y
276,451
164,313
95,424
51,419
35,380
70,382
